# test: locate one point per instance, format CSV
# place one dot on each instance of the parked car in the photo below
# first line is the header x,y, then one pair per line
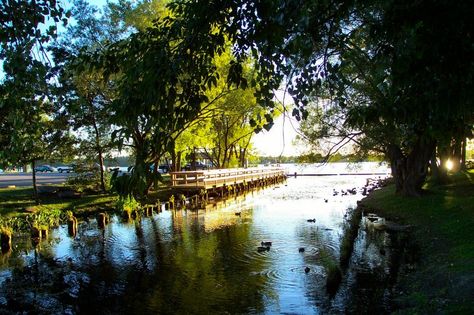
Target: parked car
x,y
45,168
199,166
162,169
65,168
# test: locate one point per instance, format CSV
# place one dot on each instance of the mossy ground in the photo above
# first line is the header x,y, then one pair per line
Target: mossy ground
x,y
443,221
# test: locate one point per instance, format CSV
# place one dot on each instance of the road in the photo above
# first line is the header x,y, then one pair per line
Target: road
x,y
25,179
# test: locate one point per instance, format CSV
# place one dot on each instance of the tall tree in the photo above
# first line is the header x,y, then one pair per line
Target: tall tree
x,y
85,93
31,128
408,43
28,131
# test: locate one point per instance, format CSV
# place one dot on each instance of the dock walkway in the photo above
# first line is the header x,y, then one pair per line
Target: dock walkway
x,y
215,179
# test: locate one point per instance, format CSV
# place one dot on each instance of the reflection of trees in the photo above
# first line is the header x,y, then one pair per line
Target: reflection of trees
x,y
199,274
188,271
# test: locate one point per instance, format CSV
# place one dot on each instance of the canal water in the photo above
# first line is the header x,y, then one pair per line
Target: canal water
x,y
207,261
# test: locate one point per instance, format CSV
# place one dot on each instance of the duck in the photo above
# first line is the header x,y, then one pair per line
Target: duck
x,y
238,214
301,249
266,243
306,270
311,220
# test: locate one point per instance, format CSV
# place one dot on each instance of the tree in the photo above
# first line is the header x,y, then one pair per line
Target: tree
x,y
85,93
28,130
151,108
230,129
225,125
407,45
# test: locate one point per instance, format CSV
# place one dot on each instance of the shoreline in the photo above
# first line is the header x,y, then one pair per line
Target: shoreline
x,y
442,278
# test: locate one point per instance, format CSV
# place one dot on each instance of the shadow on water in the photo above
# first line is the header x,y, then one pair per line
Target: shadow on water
x,y
373,252
207,261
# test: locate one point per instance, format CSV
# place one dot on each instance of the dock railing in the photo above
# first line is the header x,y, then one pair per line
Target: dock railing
x,y
218,178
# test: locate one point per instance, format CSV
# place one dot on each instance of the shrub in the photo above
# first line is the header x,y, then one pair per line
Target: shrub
x,y
88,181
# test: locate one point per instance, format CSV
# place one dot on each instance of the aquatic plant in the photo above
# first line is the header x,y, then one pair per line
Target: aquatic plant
x,y
127,204
45,218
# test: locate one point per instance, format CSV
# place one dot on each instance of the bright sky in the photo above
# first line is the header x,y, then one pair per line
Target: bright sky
x,y
279,140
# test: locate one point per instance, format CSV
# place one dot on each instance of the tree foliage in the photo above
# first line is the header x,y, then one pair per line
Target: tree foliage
x,y
30,129
388,66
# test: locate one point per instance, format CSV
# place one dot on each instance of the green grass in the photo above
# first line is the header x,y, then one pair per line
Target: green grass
x,y
443,225
14,201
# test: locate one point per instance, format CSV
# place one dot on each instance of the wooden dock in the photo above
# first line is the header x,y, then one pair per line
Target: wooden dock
x,y
217,179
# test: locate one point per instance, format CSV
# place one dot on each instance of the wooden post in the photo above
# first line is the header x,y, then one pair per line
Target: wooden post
x,y
6,241
72,226
102,220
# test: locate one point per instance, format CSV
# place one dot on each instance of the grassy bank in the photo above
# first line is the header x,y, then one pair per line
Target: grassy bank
x,y
443,225
18,202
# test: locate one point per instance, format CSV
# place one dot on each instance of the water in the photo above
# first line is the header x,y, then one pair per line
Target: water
x,y
185,262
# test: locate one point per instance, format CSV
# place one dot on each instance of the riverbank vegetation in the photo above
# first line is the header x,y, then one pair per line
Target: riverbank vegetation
x,y
441,220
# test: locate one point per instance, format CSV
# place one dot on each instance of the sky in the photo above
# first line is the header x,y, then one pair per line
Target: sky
x,y
279,140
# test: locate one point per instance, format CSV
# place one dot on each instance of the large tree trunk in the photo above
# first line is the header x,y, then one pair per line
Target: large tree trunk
x,y
409,172
175,160
416,168
35,189
397,162
439,172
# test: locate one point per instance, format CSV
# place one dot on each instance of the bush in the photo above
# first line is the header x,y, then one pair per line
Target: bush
x,y
88,181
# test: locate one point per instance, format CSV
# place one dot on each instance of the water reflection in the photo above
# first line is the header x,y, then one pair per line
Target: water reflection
x,y
187,261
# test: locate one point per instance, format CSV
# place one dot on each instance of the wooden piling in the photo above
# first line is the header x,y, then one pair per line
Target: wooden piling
x,y
102,220
5,241
72,225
